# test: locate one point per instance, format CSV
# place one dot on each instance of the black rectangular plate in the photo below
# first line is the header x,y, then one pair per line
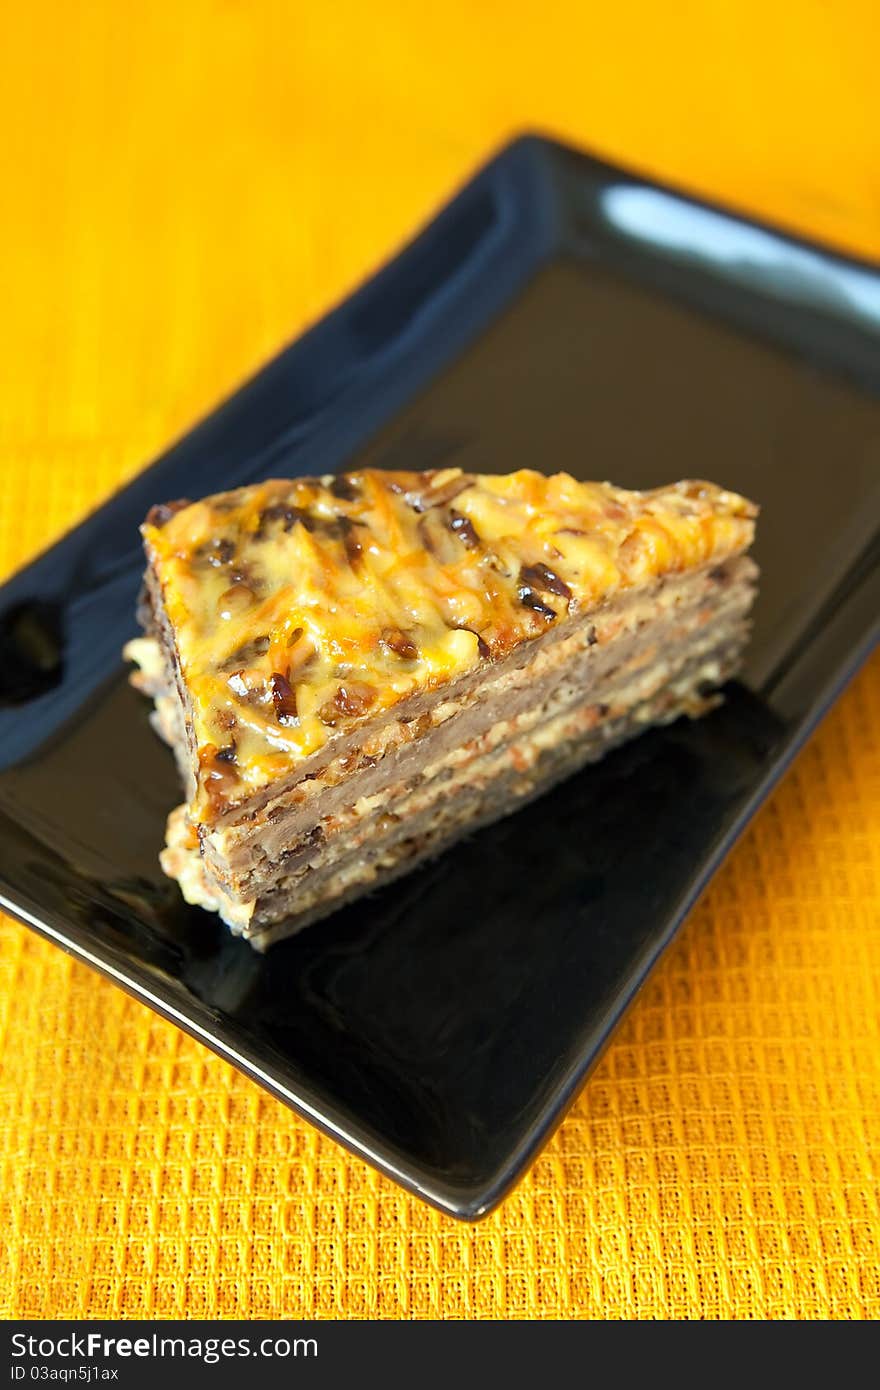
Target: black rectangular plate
x,y
559,314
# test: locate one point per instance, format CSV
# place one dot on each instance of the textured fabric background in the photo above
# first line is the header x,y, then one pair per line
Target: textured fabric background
x,y
184,187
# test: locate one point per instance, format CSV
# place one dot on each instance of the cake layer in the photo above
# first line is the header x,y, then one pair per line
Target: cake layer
x,y
523,770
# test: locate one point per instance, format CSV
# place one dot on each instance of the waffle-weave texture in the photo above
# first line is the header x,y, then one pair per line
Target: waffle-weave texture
x,y
184,188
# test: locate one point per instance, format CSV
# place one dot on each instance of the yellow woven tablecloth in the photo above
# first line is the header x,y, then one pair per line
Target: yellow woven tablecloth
x,y
182,188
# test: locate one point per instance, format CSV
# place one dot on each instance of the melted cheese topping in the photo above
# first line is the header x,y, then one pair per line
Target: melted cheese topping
x,y
301,608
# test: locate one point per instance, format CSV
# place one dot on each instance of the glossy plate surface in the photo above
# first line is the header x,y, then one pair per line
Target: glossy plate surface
x,y
558,314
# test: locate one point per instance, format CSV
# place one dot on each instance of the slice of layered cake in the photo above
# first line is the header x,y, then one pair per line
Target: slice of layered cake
x,y
353,671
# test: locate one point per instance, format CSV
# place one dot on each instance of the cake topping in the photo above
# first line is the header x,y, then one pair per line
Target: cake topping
x,y
300,608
